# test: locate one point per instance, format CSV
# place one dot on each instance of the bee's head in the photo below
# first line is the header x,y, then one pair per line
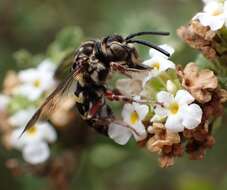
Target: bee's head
x,y
114,48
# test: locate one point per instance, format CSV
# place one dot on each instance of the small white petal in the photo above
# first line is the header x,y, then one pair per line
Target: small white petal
x,y
29,91
159,110
47,66
49,133
166,64
165,98
142,110
214,22
140,133
184,97
192,117
20,119
36,152
119,134
214,7
150,130
15,141
160,64
174,123
126,112
28,75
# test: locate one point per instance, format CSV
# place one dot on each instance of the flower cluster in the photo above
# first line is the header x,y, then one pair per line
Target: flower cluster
x,y
177,117
22,92
207,30
214,14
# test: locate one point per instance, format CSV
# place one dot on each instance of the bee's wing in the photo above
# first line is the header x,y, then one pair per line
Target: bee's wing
x,y
50,103
65,66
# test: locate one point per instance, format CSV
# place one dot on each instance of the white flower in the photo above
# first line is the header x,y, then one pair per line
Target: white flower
x,y
159,62
133,115
214,15
36,81
42,131
20,118
36,152
208,1
178,110
4,100
34,142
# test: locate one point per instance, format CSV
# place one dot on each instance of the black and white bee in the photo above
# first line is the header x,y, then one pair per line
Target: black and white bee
x,y
93,62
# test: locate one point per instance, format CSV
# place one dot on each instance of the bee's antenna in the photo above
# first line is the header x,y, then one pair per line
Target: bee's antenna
x,y
130,36
149,44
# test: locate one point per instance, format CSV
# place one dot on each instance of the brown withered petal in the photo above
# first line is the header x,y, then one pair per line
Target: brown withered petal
x,y
199,37
161,138
166,161
223,95
214,108
198,141
200,84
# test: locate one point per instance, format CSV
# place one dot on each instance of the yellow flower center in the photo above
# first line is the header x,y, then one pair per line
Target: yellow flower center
x,y
156,66
134,117
174,108
37,83
216,12
32,131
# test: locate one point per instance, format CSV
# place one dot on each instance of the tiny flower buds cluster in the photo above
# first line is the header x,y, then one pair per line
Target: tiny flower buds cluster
x,y
179,115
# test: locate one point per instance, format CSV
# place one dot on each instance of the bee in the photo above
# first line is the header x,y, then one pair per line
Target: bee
x,y
93,63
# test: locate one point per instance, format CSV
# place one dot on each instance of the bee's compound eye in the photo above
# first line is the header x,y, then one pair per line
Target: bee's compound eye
x,y
115,38
87,50
119,51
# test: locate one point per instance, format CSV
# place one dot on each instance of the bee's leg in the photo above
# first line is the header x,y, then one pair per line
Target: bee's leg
x,y
94,109
123,70
102,116
117,96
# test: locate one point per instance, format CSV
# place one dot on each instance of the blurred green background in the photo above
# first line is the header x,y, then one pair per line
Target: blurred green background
x,y
33,25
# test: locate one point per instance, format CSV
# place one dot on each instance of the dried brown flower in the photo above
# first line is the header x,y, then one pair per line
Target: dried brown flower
x,y
165,143
215,107
10,82
161,138
223,95
166,161
5,130
200,84
199,37
198,141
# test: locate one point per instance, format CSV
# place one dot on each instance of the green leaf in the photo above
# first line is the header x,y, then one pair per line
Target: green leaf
x,y
195,183
25,59
105,156
66,40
